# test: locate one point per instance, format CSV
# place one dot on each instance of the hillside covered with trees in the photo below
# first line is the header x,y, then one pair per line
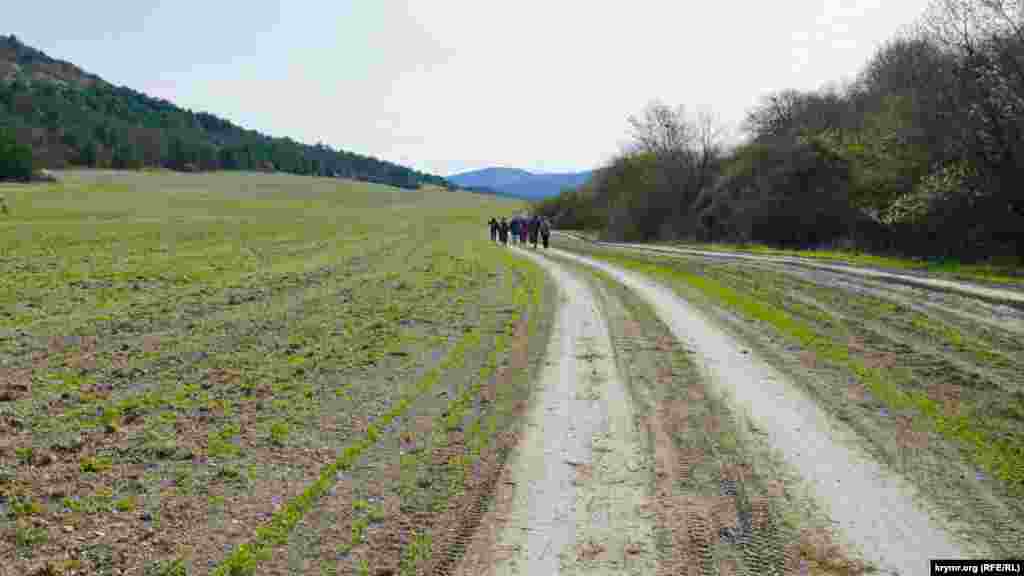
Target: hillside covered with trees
x,y
923,154
71,118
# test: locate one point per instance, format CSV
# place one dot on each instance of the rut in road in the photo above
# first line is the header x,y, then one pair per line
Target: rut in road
x,y
876,512
580,471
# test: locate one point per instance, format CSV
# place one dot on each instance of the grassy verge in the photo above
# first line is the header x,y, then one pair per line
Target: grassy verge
x,y
995,272
1003,271
1003,458
950,427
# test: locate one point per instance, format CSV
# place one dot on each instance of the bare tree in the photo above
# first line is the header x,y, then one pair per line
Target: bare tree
x,y
986,38
661,130
775,115
675,154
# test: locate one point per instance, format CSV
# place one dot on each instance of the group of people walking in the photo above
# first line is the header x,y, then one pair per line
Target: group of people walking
x,y
520,229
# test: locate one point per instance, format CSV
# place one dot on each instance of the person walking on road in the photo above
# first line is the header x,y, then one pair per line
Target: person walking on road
x,y
534,230
523,229
493,225
545,231
503,231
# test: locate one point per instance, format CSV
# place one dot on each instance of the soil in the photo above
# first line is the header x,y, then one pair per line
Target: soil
x,y
579,472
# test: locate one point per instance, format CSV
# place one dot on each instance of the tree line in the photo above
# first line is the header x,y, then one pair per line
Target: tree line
x,y
92,123
922,154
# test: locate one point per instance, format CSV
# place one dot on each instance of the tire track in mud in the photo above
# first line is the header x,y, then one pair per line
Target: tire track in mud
x,y
893,531
579,484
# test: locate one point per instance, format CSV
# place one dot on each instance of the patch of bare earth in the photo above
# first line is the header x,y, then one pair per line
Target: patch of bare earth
x,y
156,522
463,518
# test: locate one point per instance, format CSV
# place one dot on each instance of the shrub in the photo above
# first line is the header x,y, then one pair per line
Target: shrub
x,y
15,159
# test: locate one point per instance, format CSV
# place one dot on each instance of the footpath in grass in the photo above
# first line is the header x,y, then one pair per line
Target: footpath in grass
x,y
953,431
183,355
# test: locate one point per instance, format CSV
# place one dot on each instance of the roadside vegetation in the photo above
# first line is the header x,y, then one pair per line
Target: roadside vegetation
x,y
920,155
15,159
192,366
934,398
1003,270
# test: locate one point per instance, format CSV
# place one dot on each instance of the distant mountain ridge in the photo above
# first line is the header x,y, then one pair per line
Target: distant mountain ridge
x,y
518,182
71,117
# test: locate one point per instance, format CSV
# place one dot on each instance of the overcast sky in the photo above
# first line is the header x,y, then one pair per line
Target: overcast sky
x,y
447,86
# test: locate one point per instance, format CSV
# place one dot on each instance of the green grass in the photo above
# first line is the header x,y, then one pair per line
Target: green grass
x,y
1007,271
1000,271
276,532
156,311
27,536
775,285
998,456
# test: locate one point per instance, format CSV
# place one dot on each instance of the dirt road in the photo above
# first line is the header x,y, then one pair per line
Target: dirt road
x,y
894,531
579,473
577,487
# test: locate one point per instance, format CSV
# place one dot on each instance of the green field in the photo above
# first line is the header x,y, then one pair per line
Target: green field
x,y
231,372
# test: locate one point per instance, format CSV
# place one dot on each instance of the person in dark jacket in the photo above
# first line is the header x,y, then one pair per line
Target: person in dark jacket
x,y
493,225
514,228
503,231
545,231
534,229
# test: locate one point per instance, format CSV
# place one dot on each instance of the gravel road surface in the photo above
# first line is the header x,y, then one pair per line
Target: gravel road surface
x,y
876,511
580,472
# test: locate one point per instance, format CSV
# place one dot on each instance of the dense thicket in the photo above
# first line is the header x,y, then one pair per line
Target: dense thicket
x,y
15,159
922,154
69,117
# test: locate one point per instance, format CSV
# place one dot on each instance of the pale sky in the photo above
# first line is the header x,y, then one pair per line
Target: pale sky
x,y
448,86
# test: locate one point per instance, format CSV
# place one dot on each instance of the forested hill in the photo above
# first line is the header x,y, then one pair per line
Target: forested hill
x,y
71,117
518,183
